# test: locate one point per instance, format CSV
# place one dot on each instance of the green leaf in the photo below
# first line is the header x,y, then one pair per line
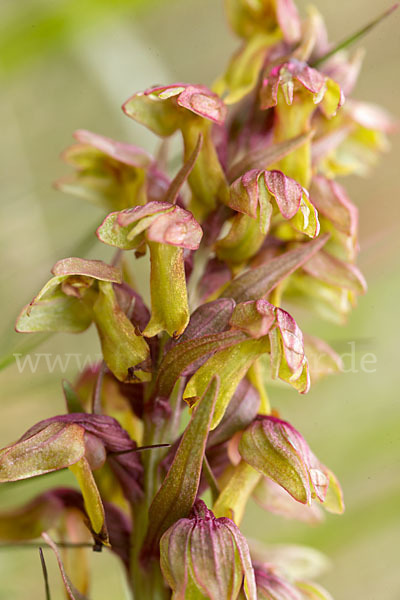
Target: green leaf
x,y
231,365
122,349
178,491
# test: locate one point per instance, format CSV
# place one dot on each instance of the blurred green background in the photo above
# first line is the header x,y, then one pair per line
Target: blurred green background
x,y
69,64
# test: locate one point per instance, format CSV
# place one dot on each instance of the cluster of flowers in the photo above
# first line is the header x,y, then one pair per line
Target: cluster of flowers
x,y
253,220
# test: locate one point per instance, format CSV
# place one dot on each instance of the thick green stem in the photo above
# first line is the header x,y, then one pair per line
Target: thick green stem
x,y
147,582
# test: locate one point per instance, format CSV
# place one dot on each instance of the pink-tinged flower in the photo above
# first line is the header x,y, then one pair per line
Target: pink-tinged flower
x,y
192,109
160,222
163,109
81,442
167,229
288,75
82,292
277,450
207,557
164,223
113,174
253,193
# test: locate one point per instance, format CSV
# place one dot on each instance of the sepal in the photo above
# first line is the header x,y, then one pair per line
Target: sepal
x,y
205,557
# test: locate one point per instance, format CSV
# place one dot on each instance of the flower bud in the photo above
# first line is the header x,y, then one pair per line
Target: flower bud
x,y
207,557
277,450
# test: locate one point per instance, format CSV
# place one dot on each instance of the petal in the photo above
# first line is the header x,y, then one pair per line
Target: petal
x,y
287,192
96,269
55,447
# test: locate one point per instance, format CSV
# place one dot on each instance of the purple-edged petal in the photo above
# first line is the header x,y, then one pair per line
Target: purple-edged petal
x,y
96,269
292,339
52,447
176,228
203,102
288,361
101,432
371,116
163,108
160,222
133,215
286,191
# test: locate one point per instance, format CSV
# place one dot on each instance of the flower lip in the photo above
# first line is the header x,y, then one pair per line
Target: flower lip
x,y
198,99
